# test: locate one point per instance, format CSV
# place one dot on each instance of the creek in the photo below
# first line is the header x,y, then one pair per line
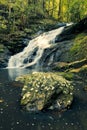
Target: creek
x,y
12,116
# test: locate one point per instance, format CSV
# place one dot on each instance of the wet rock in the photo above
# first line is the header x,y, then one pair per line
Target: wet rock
x,y
56,53
30,60
63,66
4,56
25,60
43,91
35,51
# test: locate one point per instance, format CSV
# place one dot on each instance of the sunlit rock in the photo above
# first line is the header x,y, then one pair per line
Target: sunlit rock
x,y
43,91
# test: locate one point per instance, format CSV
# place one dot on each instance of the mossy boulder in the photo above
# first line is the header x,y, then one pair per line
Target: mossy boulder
x,y
43,91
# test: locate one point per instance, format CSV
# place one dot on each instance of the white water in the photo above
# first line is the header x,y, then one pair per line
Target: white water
x,y
32,53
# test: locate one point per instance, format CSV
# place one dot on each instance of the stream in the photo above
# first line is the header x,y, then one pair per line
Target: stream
x,y
13,117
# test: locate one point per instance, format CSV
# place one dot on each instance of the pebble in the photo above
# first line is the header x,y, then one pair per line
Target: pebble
x,y
33,124
27,124
72,124
17,123
66,123
1,100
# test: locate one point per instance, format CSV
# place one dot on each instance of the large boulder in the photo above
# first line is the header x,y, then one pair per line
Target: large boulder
x,y
43,91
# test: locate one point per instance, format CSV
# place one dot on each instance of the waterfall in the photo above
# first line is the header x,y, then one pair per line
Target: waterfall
x,y
31,55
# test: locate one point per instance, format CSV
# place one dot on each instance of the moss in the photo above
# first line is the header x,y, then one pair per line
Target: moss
x,y
68,76
2,48
73,67
79,49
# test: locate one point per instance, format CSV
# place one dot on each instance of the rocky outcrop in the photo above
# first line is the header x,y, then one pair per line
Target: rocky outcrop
x,y
11,44
63,66
69,46
72,31
14,42
43,91
4,56
57,52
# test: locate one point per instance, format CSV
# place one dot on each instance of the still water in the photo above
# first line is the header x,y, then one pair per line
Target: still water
x,y
12,117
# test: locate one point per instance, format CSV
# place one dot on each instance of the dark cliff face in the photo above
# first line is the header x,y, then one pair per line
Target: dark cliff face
x,y
10,45
56,53
73,30
4,56
70,45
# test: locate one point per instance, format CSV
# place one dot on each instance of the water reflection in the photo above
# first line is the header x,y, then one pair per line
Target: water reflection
x,y
15,72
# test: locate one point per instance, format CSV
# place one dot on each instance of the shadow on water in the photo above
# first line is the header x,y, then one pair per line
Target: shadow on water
x,y
12,117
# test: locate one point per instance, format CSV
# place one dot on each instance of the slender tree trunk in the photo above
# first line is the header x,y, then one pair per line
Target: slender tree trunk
x,y
43,5
48,7
53,1
29,2
59,10
35,4
9,9
68,3
9,14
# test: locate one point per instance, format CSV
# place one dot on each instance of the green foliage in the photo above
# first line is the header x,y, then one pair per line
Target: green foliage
x,y
18,14
3,24
68,75
77,10
79,49
2,48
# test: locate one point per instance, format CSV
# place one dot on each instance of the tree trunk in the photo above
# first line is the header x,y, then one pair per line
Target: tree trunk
x,y
48,7
68,3
43,5
59,10
53,1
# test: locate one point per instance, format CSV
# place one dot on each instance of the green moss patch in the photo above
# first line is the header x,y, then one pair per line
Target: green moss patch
x,y
2,48
79,49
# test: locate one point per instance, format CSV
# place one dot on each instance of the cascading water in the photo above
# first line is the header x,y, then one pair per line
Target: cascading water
x,y
33,52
